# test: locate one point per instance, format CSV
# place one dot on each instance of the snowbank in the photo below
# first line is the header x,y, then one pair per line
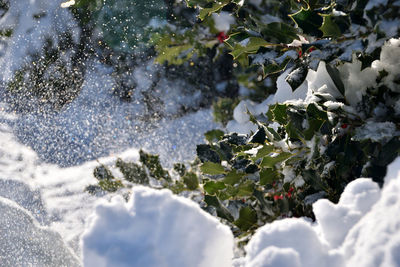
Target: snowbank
x,y
295,240
155,228
363,229
24,243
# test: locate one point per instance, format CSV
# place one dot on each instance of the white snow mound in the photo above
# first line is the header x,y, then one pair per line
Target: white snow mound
x,y
155,228
363,229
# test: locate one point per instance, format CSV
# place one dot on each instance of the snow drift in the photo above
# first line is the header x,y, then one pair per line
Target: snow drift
x,y
24,243
155,228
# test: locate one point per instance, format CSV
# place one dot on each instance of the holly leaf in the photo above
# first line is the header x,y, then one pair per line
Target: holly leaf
x,y
233,177
335,76
214,135
279,114
247,218
271,161
212,168
267,176
259,137
309,21
274,68
217,6
249,45
191,181
281,32
213,187
245,189
329,28
264,151
297,77
222,212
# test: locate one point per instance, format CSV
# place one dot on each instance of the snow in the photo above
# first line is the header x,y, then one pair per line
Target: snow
x,y
29,33
375,239
362,229
375,3
241,123
321,83
98,124
155,228
376,131
355,201
25,243
389,62
223,21
291,238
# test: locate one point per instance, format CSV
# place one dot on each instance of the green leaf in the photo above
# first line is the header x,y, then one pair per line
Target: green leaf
x,y
132,172
316,119
265,206
233,177
212,187
267,176
102,173
235,38
204,12
214,135
247,218
282,32
309,21
264,151
329,28
276,136
212,168
274,68
245,189
152,162
191,181
314,112
259,137
271,161
249,46
279,113
110,185
335,76
292,131
222,212
297,77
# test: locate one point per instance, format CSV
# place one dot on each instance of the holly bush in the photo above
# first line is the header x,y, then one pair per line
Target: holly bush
x,y
302,150
266,37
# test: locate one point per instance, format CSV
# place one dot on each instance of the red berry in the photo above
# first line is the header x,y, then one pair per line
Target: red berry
x,y
311,49
222,37
344,125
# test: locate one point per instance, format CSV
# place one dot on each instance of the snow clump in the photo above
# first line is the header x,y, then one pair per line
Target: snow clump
x,y
155,228
361,230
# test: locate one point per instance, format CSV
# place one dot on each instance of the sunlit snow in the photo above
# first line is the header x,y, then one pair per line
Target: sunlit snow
x,y
47,159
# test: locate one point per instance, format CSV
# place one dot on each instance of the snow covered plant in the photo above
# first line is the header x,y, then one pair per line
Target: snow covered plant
x,y
37,61
266,37
303,150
